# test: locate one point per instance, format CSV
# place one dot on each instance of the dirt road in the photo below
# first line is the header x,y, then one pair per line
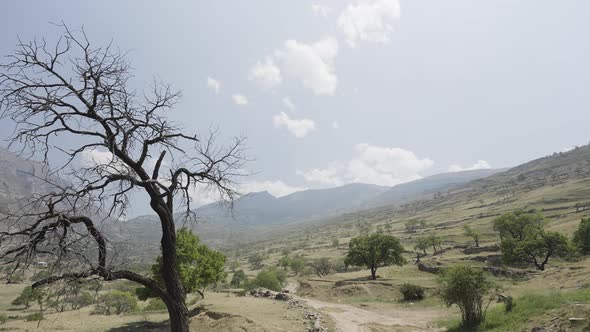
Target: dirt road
x,y
349,318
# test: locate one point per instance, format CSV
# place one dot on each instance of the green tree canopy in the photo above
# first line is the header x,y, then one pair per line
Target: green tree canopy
x,y
524,239
582,236
374,251
198,265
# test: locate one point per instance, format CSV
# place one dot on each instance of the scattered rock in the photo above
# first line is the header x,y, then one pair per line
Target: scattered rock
x,y
538,329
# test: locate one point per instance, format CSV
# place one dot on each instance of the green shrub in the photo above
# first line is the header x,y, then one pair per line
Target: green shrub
x,y
582,236
27,296
3,318
466,288
265,279
156,304
116,302
412,292
34,317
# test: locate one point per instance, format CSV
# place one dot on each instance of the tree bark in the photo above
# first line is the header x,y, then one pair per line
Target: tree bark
x,y
178,312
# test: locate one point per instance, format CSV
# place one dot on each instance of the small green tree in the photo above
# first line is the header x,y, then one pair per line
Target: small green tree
x,y
474,234
524,239
238,278
466,287
374,251
198,265
285,262
115,302
582,236
422,243
255,261
322,266
297,265
435,242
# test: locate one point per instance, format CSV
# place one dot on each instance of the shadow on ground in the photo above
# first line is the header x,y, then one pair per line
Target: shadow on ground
x,y
142,326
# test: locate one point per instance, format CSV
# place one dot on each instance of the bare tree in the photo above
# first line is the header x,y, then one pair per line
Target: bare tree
x,y
74,100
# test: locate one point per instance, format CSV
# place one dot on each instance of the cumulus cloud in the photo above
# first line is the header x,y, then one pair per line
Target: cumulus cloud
x,y
213,84
289,104
321,10
276,188
369,20
372,164
299,128
239,99
312,64
266,73
480,164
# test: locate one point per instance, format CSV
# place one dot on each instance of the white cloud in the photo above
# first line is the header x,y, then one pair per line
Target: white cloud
x,y
299,128
240,99
372,164
480,164
288,103
567,148
335,125
369,20
321,10
312,64
266,73
276,188
214,84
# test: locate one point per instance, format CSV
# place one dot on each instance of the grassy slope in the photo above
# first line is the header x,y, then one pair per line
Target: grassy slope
x,y
552,184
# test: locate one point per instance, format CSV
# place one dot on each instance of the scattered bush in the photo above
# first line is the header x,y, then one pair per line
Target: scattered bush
x,y
3,318
116,302
466,288
34,317
156,304
412,292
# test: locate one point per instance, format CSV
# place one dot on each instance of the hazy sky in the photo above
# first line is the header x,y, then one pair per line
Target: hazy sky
x,y
331,92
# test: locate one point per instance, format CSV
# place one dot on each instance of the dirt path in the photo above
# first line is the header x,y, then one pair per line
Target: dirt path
x,y
349,318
